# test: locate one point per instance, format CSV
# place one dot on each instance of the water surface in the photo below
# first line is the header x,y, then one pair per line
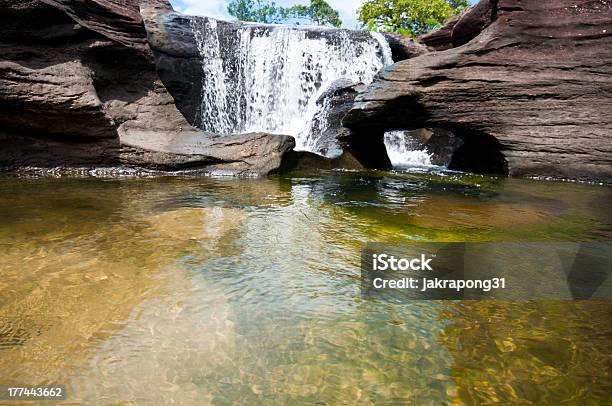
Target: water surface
x,y
225,291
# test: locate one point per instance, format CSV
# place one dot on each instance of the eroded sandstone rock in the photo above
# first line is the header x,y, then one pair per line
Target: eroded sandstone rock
x,y
403,47
533,87
78,87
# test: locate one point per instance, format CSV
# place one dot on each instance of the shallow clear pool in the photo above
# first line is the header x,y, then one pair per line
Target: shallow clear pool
x,y
230,291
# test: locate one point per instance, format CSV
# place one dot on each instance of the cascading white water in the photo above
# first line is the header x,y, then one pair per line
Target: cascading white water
x,y
271,78
404,152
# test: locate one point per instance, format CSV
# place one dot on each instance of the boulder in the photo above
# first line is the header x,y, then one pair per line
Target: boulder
x,y
442,145
334,104
304,161
177,57
529,95
473,21
441,38
79,87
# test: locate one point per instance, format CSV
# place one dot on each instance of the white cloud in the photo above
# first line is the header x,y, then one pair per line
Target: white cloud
x,y
348,11
218,8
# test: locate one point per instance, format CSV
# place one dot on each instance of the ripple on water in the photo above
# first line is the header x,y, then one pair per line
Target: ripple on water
x,y
247,291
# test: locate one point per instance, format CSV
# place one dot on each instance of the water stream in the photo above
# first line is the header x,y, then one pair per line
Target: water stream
x,y
404,152
271,78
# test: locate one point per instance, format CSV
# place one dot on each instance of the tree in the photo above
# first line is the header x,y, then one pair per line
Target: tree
x,y
319,12
257,11
265,11
408,17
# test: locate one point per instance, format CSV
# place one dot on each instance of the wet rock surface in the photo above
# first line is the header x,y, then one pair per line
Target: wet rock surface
x,y
304,161
335,104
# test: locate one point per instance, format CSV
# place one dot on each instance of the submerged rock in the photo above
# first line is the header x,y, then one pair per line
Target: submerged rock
x,y
529,94
78,87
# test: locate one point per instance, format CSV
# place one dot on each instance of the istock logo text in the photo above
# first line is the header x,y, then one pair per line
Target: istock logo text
x,y
384,262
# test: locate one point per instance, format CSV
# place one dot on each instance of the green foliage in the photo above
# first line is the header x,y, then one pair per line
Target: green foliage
x,y
260,11
319,12
408,17
265,11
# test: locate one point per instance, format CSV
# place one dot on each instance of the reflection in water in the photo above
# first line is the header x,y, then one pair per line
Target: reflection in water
x,y
247,291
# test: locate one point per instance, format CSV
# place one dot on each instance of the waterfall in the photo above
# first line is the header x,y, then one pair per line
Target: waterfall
x,y
271,78
405,151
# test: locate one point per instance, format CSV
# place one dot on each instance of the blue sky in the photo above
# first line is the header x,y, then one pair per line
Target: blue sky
x,y
218,8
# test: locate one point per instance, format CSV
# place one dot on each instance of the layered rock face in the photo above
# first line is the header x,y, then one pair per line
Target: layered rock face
x,y
526,84
177,57
78,87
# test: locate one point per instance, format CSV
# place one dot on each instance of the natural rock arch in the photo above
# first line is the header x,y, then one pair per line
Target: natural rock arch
x,y
533,85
